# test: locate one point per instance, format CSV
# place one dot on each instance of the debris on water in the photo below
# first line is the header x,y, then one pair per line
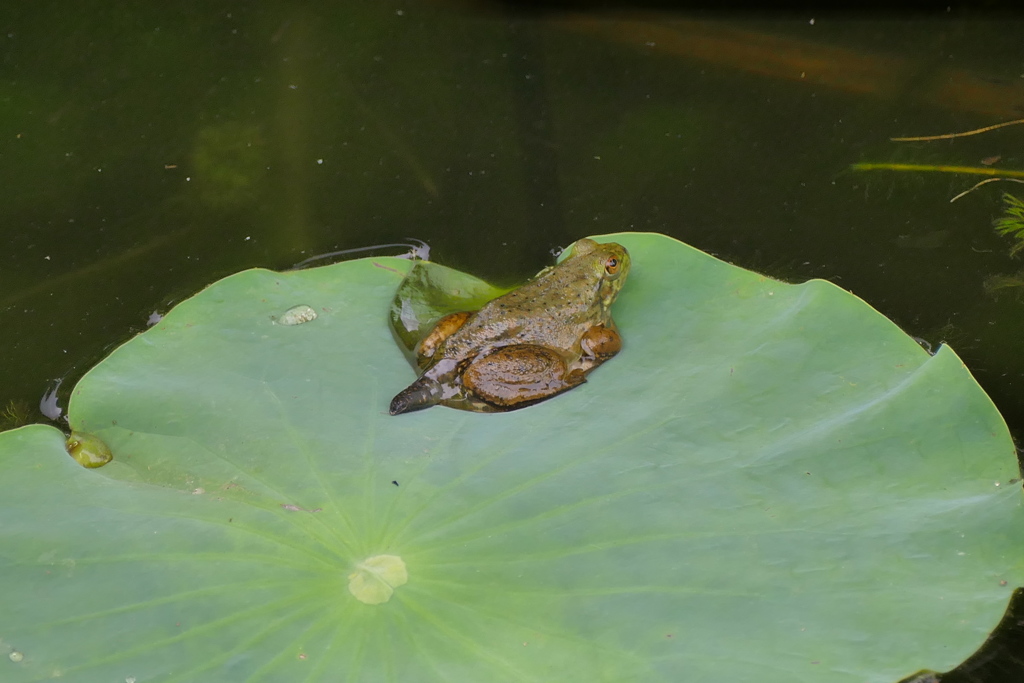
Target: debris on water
x,y
48,403
925,344
420,250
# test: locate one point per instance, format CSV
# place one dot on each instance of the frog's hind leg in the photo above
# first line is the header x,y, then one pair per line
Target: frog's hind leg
x,y
422,393
517,376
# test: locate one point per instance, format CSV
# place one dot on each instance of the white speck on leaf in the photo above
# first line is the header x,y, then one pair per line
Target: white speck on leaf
x,y
296,315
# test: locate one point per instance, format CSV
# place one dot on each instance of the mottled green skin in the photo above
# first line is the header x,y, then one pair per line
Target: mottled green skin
x,y
548,318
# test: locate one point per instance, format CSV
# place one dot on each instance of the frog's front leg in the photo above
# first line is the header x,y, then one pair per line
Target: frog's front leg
x,y
443,328
516,376
598,344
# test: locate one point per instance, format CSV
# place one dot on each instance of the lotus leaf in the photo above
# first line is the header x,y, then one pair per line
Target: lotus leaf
x,y
771,482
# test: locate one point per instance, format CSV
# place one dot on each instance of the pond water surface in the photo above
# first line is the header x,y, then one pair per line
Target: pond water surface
x,y
149,150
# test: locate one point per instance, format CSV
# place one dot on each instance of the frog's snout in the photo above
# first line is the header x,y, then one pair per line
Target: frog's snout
x,y
422,393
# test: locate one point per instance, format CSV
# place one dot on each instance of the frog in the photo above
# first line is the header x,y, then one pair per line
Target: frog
x,y
532,343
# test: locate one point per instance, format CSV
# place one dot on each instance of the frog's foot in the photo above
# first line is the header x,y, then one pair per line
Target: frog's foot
x,y
599,343
443,328
422,393
517,376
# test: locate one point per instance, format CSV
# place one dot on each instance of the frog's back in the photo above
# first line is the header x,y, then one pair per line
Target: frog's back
x,y
552,311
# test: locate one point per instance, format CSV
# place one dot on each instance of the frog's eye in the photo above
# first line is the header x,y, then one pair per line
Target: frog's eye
x,y
611,266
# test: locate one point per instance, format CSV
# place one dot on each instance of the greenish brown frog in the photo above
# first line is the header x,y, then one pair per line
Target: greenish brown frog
x,y
525,346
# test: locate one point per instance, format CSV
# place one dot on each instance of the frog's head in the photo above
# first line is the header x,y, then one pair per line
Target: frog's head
x,y
607,264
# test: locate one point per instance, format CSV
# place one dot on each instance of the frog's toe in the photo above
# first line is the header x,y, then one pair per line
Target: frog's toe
x,y
422,393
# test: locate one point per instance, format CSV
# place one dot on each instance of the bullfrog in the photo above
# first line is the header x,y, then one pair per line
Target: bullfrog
x,y
527,345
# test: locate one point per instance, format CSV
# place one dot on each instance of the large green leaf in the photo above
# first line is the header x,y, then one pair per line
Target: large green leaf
x,y
771,482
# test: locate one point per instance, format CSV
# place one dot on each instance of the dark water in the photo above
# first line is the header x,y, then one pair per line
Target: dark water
x,y
148,149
